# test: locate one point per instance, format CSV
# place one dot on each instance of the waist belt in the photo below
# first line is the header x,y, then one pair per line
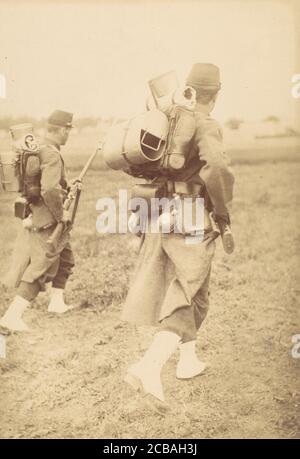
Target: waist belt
x,y
191,189
37,229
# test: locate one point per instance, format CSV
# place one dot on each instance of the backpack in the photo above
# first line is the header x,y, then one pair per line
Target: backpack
x,y
29,168
181,131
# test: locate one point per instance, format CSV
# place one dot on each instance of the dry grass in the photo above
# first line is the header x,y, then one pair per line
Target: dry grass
x,y
64,378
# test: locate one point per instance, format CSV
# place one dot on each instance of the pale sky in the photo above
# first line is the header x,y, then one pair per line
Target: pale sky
x,y
95,58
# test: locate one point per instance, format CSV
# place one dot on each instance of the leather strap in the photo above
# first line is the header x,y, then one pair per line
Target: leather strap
x,y
191,189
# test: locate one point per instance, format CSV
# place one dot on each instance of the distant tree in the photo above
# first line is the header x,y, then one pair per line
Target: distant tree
x,y
86,122
233,123
292,132
272,119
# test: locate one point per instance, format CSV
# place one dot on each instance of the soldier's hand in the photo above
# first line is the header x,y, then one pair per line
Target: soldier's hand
x,y
66,217
27,222
75,183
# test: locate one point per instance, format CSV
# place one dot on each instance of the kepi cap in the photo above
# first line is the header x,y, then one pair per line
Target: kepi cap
x,y
204,76
61,118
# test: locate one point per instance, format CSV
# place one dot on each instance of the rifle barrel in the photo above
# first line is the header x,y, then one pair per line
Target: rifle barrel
x,y
87,165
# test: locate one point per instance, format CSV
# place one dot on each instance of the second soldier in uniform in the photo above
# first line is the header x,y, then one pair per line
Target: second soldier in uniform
x,y
46,212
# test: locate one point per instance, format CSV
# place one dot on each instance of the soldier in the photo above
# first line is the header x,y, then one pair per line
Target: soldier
x,y
46,212
171,282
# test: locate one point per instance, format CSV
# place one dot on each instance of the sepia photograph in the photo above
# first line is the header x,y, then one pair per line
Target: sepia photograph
x,y
149,221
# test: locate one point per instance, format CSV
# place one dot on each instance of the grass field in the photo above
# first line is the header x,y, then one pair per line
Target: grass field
x,y
64,377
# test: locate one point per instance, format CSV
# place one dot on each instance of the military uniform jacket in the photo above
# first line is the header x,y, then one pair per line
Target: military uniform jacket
x,y
49,209
170,272
207,164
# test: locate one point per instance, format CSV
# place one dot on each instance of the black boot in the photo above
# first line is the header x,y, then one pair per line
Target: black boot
x,y
227,237
223,224
226,234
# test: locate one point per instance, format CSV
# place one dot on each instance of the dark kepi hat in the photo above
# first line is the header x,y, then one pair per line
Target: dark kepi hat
x,y
204,76
60,118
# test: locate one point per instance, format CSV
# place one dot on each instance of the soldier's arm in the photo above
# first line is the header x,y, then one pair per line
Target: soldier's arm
x,y
51,190
216,172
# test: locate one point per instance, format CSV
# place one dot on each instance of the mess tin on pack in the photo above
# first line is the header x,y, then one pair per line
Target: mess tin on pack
x,y
10,160
158,141
20,168
136,142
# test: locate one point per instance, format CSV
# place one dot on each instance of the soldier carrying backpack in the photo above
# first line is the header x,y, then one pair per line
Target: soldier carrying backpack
x,y
43,185
170,286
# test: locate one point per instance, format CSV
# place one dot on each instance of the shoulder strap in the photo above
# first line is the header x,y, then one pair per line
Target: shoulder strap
x,y
53,147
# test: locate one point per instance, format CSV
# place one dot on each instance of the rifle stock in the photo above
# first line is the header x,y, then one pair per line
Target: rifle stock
x,y
53,240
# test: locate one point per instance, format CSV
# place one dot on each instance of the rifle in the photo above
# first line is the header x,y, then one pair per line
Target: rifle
x,y
73,196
